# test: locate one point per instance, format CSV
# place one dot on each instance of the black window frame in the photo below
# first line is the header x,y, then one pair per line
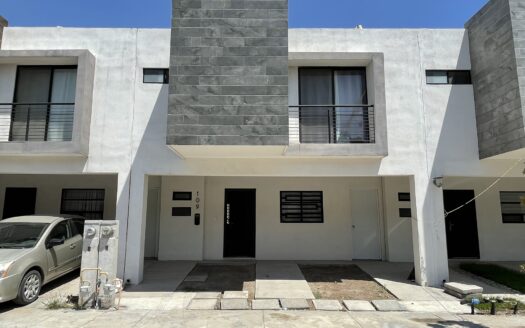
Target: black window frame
x,y
301,219
367,132
450,78
504,215
52,68
165,74
100,212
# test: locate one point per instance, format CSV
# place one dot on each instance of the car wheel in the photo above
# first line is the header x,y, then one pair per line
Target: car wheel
x,y
29,288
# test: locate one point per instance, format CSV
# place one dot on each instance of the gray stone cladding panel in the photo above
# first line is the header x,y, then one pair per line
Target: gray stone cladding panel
x,y
228,73
497,52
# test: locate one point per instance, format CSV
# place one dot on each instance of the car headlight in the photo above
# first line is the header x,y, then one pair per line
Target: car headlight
x,y
4,269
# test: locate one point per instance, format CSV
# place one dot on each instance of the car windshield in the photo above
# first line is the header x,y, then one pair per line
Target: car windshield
x,y
20,235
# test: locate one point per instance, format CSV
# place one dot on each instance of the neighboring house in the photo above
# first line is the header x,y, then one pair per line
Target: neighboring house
x,y
255,141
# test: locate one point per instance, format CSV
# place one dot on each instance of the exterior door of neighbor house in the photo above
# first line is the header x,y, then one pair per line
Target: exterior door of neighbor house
x,y
19,201
239,223
365,224
461,226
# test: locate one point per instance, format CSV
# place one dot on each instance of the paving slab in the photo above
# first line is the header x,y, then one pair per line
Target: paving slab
x,y
235,294
294,304
235,304
204,295
327,305
463,289
282,280
160,276
266,304
203,304
455,307
352,305
197,278
423,306
388,305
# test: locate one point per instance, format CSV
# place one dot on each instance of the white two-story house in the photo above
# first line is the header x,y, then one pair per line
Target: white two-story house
x,y
232,136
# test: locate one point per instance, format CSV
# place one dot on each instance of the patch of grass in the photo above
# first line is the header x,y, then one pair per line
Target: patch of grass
x,y
501,275
59,302
502,305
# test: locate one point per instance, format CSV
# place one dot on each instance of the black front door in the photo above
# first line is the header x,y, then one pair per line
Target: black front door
x,y
239,223
19,201
461,225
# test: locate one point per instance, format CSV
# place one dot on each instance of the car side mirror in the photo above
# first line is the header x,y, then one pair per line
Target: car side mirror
x,y
54,242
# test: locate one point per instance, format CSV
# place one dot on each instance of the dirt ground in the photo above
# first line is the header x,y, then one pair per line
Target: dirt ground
x,y
343,282
222,277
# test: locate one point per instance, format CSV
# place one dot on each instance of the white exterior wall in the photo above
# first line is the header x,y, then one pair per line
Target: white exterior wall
x,y
49,190
498,241
431,130
331,240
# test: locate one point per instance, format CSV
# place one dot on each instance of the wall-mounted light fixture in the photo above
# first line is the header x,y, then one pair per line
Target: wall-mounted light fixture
x,y
438,181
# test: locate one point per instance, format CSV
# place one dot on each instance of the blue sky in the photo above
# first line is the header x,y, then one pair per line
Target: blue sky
x,y
303,13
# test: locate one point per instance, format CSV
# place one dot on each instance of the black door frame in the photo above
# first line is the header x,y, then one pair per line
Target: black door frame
x,y
224,249
474,224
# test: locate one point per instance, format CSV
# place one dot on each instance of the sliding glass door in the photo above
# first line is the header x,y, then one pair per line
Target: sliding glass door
x,y
44,104
321,119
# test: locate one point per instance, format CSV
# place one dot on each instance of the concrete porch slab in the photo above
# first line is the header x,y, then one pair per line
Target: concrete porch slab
x,y
203,304
327,305
352,305
235,304
294,304
266,304
283,280
423,306
388,305
196,278
160,276
238,294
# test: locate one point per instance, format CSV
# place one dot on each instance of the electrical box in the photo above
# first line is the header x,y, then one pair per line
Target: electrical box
x,y
98,276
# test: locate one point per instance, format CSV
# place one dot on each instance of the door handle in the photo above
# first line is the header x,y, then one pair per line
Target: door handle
x,y
228,214
72,246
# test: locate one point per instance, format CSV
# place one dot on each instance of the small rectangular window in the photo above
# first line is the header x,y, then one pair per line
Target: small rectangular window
x,y
405,213
512,206
403,196
302,207
448,77
181,211
88,203
182,195
156,75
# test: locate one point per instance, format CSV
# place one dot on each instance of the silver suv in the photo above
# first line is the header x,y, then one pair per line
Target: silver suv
x,y
35,250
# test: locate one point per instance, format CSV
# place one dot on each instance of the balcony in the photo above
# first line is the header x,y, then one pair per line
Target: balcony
x,y
329,124
46,101
36,122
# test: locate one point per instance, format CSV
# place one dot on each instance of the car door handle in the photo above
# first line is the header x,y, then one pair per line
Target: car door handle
x,y
72,246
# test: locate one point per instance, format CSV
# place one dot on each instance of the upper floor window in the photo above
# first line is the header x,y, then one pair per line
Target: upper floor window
x,y
448,77
156,75
333,106
512,206
44,103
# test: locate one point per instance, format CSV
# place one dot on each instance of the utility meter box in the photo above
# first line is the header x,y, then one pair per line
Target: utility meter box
x,y
98,283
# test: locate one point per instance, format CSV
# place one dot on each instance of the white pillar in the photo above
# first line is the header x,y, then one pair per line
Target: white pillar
x,y
428,232
136,228
122,217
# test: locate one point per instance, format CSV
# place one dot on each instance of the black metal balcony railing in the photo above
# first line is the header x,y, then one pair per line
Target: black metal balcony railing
x,y
36,121
332,124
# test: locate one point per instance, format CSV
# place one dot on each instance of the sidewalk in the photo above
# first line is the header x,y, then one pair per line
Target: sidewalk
x,y
31,317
